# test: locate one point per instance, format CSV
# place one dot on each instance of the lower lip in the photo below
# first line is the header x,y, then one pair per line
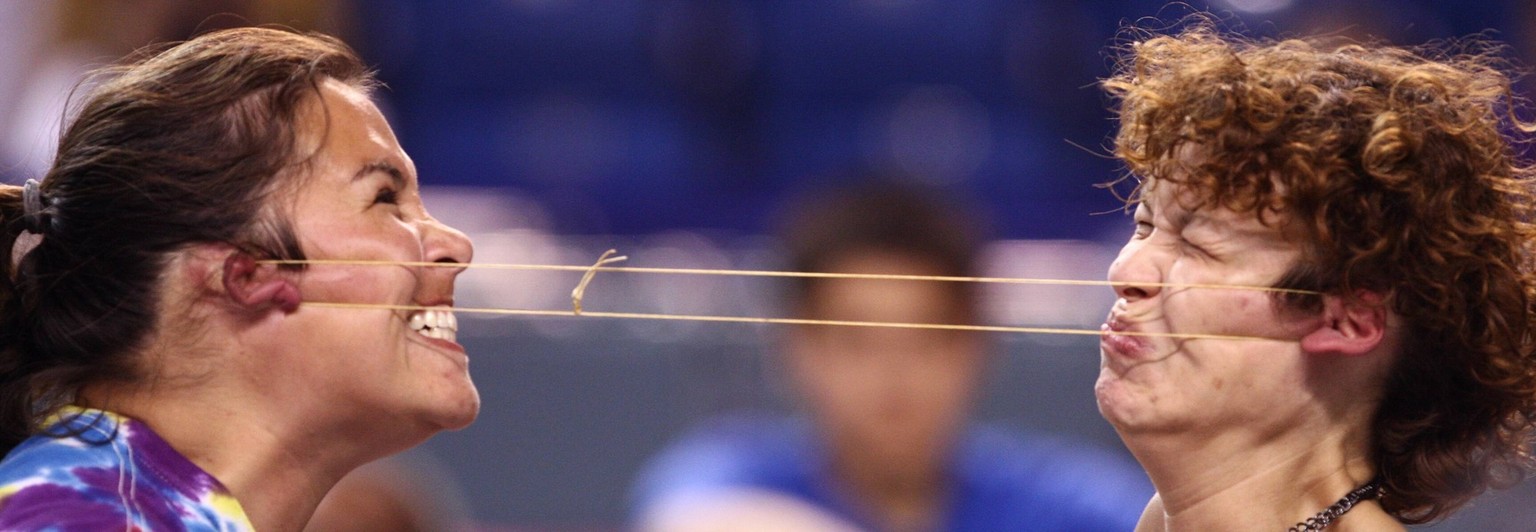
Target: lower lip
x,y
445,344
1117,344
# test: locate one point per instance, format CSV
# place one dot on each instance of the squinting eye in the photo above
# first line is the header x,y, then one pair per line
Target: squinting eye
x,y
386,195
1143,229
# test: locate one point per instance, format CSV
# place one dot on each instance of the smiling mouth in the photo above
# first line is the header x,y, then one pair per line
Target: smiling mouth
x,y
437,323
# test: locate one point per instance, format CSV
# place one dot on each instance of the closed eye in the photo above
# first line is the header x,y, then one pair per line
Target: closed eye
x,y
1194,248
1143,218
1143,229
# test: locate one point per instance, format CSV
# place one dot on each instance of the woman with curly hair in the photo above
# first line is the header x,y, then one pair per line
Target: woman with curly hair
x,y
1372,200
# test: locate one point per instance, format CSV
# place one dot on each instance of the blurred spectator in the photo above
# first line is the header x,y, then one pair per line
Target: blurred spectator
x,y
885,443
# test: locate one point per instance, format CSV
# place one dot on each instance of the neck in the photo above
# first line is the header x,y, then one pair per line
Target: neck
x,y
278,465
1268,482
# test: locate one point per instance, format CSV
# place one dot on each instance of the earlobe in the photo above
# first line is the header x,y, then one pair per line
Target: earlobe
x,y
1348,328
256,286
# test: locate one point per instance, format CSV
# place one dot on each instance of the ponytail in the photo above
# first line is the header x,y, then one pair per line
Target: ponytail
x,y
16,369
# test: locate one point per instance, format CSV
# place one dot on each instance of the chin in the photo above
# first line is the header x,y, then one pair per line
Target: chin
x,y
451,409
1117,405
1134,415
463,413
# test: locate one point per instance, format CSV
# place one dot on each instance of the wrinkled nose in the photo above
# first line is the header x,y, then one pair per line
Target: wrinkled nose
x,y
1136,272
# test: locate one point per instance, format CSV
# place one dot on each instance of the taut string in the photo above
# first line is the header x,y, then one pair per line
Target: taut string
x,y
768,273
601,265
781,321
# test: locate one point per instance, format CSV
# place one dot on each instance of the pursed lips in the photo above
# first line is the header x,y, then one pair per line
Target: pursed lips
x,y
1121,344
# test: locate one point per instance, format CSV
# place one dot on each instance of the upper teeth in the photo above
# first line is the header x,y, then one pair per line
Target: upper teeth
x,y
436,323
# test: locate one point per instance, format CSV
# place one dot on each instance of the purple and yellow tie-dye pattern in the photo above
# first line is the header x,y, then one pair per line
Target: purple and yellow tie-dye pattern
x,y
96,470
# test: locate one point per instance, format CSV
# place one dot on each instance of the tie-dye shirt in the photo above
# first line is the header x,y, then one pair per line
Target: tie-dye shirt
x,y
96,470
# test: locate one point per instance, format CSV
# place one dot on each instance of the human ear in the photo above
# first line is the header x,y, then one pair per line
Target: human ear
x,y
1348,327
258,286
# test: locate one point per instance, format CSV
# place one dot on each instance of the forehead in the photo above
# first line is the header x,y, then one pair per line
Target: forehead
x,y
343,121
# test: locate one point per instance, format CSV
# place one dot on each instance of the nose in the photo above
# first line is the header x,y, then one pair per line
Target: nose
x,y
1137,272
444,244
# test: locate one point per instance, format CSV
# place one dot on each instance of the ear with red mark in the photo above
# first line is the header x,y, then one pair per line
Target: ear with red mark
x,y
1348,328
258,286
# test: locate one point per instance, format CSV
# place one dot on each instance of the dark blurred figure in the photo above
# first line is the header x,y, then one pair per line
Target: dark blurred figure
x,y
884,443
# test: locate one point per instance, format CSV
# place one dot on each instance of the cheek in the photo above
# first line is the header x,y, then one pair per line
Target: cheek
x,y
837,387
349,331
358,284
351,282
1220,311
368,236
947,377
344,350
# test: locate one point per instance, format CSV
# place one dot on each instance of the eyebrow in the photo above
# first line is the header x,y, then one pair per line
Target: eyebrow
x,y
381,167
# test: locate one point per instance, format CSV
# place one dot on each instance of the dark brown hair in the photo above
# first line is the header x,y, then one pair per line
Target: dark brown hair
x,y
172,148
883,215
1399,169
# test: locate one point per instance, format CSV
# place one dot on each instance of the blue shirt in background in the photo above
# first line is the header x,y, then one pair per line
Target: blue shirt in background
x,y
1002,480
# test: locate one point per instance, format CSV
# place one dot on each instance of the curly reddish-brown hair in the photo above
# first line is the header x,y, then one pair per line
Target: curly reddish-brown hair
x,y
1400,171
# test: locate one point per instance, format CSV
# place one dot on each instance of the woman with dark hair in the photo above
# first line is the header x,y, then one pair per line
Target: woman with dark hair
x,y
157,370
1396,380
